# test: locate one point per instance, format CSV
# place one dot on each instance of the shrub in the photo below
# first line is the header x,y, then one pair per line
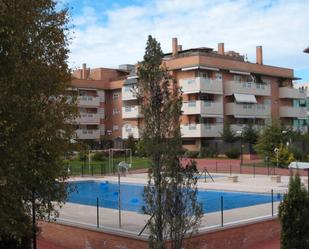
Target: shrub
x,y
232,153
285,157
208,152
298,154
141,148
83,155
192,153
98,156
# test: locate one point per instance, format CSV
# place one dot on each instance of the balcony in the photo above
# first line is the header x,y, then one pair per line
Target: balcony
x,y
248,110
131,112
88,101
292,93
129,92
128,130
88,118
200,84
293,112
232,87
87,134
201,130
204,108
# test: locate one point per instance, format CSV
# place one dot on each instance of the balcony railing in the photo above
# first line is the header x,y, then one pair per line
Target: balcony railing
x,y
292,93
261,89
201,130
87,134
128,130
241,127
88,118
88,101
202,107
256,110
131,112
128,92
200,84
293,112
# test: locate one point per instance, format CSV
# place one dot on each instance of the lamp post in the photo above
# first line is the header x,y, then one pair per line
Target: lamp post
x,y
241,147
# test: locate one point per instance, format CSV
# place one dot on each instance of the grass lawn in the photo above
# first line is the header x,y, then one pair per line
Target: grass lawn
x,y
97,167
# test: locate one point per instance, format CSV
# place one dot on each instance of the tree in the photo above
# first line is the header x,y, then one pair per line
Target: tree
x,y
250,136
228,135
161,103
34,110
131,144
270,138
285,157
294,216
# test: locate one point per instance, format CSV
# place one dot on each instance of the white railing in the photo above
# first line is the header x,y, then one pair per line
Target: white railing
x,y
129,130
201,130
131,112
202,107
128,92
87,134
90,101
292,93
257,110
293,112
200,84
261,89
88,118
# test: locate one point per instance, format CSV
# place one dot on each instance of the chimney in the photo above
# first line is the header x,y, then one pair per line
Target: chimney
x,y
84,72
259,55
174,47
221,48
179,48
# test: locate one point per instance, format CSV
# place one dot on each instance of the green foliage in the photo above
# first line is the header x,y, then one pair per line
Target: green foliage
x,y
270,138
98,156
209,151
192,153
161,103
299,155
285,157
141,148
250,135
34,111
131,144
228,135
232,153
294,216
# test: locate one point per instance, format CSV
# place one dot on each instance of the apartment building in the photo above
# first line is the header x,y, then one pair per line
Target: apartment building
x,y
218,86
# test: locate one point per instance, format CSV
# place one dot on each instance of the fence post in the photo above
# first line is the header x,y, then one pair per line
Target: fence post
x,y
254,170
272,202
91,169
216,166
230,169
97,212
83,164
221,211
205,176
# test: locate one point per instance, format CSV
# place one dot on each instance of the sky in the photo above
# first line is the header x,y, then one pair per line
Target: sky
x,y
107,33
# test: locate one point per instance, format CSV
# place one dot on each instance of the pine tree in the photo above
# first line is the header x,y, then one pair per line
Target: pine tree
x,y
161,102
34,112
294,216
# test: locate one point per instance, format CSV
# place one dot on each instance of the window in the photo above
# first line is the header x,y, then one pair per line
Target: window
x,y
115,96
192,103
218,76
128,109
127,88
115,127
237,78
115,111
247,106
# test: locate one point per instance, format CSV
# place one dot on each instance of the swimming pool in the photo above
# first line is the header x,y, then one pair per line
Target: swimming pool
x,y
87,193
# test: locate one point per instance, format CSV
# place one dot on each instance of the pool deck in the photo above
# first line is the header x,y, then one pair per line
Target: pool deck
x,y
132,222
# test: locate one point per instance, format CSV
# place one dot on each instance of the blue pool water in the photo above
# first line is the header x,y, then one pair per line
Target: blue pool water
x,y
131,197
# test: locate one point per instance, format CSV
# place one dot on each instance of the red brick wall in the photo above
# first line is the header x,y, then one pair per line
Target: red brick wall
x,y
241,237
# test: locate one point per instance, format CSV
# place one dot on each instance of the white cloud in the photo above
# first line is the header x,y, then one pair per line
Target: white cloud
x,y
280,26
